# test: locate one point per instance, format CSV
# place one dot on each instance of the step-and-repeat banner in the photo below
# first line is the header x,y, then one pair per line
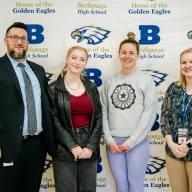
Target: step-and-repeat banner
x,y
162,27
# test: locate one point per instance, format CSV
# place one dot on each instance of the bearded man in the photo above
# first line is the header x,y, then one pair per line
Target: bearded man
x,y
26,133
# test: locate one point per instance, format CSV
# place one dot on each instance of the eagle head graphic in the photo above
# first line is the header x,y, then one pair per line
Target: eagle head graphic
x,y
154,165
93,35
157,76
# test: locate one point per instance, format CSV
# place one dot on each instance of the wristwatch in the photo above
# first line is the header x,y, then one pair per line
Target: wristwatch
x,y
189,145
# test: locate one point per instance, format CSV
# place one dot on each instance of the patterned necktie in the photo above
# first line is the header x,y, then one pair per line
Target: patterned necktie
x,y
32,120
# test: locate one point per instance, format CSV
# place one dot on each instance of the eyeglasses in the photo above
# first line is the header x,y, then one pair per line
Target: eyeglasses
x,y
15,38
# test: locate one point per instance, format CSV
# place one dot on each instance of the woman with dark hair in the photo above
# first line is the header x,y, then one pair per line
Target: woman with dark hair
x,y
129,110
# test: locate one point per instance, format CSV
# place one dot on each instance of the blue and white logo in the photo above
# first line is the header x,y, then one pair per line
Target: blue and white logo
x,y
154,165
99,166
93,35
158,77
156,124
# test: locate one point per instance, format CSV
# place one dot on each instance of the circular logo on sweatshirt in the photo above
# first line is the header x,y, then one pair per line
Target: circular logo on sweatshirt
x,y
123,96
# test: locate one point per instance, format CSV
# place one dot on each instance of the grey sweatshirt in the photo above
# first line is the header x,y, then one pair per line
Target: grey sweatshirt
x,y
129,107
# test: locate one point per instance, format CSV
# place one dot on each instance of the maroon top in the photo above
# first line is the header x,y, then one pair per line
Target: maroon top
x,y
81,110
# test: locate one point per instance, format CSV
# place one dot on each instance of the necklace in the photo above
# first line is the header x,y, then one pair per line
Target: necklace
x,y
72,87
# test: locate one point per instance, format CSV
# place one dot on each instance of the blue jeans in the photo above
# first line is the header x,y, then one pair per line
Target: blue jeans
x,y
128,169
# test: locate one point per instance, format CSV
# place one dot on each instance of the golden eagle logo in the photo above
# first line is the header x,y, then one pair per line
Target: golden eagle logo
x,y
155,164
93,35
157,76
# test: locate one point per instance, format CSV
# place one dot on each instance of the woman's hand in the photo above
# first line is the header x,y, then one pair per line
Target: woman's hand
x,y
113,147
77,151
184,148
124,148
86,154
178,150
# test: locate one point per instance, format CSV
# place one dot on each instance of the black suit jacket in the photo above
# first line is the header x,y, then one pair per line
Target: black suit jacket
x,y
12,110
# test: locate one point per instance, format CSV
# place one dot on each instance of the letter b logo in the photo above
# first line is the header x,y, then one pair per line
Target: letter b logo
x,y
35,34
93,74
149,34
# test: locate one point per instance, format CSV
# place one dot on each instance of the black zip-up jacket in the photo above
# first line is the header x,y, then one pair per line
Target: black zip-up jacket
x,y
62,119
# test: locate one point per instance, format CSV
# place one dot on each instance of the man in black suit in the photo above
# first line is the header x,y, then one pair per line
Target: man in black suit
x,y
22,151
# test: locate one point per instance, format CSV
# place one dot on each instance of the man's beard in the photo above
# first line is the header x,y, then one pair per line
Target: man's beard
x,y
17,55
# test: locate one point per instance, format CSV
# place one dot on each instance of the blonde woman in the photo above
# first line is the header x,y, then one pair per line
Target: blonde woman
x,y
176,127
77,118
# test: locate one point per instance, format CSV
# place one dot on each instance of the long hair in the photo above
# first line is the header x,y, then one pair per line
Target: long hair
x,y
70,50
182,81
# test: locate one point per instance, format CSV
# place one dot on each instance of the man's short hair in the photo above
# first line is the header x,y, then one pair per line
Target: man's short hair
x,y
17,25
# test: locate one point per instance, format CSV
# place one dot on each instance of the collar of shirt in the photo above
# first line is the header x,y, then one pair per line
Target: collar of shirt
x,y
15,62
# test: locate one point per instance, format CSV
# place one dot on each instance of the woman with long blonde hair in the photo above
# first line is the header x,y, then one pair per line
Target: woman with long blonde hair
x,y
77,119
176,127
